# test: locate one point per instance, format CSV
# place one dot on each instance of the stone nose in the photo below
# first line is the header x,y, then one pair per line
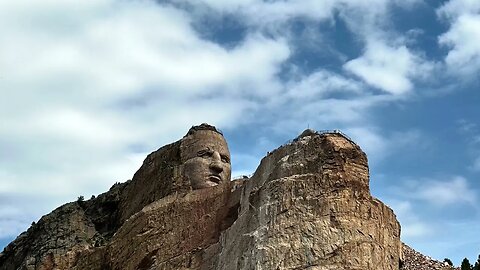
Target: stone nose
x,y
216,164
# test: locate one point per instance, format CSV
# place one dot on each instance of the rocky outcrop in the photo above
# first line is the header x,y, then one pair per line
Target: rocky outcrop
x,y
59,236
58,239
307,206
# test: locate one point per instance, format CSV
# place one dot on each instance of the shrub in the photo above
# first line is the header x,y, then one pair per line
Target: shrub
x,y
448,261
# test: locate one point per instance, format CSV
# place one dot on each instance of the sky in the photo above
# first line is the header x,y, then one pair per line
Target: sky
x,y
89,88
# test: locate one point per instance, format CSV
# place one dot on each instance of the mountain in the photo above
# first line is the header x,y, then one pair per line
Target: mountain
x,y
307,206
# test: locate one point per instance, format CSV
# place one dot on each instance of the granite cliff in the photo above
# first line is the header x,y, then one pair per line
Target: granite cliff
x,y
307,206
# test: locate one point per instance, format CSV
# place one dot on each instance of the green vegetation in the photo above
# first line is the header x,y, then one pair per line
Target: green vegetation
x,y
477,264
466,265
448,261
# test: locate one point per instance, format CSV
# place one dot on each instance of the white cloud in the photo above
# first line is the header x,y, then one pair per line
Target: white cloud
x,y
386,64
155,47
463,36
389,68
319,84
455,8
444,192
114,53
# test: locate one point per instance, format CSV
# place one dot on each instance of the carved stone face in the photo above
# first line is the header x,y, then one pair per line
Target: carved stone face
x,y
206,159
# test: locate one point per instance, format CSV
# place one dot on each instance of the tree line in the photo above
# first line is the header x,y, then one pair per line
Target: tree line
x,y
466,265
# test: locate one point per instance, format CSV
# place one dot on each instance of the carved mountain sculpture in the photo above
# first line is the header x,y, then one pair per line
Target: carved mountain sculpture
x,y
307,206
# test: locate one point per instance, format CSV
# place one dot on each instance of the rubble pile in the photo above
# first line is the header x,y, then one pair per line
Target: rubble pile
x,y
414,260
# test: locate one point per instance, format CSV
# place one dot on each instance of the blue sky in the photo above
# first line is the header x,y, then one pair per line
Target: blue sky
x,y
90,88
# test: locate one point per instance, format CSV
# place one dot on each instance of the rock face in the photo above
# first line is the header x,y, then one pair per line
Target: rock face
x,y
307,206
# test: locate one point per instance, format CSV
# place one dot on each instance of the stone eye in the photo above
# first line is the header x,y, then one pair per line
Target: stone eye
x,y
225,159
204,153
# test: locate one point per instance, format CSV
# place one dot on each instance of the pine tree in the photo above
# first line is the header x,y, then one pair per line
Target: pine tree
x,y
477,264
466,265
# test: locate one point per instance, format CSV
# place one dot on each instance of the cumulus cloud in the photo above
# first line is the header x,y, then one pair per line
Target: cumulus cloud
x,y
463,37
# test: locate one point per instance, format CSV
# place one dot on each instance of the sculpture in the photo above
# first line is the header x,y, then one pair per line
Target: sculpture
x,y
205,157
